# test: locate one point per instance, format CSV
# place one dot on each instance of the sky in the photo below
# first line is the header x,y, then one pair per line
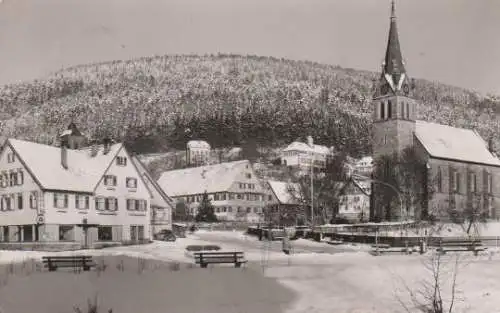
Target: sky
x,y
451,41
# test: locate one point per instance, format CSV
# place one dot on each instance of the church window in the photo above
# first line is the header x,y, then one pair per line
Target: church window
x,y
488,182
456,181
440,180
407,110
472,182
403,110
389,109
382,110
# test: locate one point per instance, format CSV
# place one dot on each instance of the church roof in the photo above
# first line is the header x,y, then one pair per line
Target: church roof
x,y
460,144
393,64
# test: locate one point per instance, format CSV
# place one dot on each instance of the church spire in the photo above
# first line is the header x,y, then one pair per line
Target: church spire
x,y
393,69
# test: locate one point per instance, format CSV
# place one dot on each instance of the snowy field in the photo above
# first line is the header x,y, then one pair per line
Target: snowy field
x,y
353,282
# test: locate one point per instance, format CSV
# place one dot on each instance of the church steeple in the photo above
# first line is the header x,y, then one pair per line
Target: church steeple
x,y
394,79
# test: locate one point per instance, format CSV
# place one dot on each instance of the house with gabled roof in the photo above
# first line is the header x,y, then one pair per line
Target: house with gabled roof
x,y
354,200
461,169
161,205
284,203
71,195
233,188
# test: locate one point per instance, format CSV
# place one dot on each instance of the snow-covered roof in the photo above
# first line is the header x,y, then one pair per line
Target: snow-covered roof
x,y
84,170
160,198
365,161
197,180
286,193
198,144
303,147
442,141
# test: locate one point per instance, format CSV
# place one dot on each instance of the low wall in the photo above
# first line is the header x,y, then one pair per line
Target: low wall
x,y
64,246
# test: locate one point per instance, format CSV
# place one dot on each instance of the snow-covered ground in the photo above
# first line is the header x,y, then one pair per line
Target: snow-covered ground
x,y
330,283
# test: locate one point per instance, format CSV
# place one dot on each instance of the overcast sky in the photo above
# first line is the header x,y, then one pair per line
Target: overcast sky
x,y
452,41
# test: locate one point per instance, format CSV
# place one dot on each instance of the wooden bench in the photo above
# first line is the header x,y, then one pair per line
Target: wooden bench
x,y
460,245
205,258
74,261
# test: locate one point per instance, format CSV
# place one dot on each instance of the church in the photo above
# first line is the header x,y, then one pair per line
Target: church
x,y
459,164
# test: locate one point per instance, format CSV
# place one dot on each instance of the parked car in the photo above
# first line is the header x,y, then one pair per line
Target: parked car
x,y
165,235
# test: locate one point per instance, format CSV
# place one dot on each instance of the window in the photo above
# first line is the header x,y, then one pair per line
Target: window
x,y
121,161
66,232
100,204
110,180
60,200
403,110
239,196
131,182
389,109
5,180
136,205
33,200
472,182
11,157
20,177
82,202
19,201
231,196
104,233
269,198
249,210
456,181
216,197
440,180
249,175
13,179
382,110
242,186
130,204
111,204
488,183
407,110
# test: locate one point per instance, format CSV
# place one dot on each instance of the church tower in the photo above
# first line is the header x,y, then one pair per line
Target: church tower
x,y
394,111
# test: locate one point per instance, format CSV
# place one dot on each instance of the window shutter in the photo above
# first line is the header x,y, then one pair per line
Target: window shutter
x,y
114,180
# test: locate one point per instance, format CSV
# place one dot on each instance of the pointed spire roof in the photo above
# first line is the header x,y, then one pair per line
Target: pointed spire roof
x,y
393,69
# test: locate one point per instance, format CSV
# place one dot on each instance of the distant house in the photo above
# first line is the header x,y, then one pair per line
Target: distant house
x,y
354,201
49,195
301,155
233,188
198,152
364,166
161,205
284,205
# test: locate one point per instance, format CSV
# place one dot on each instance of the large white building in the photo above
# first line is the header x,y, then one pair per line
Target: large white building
x,y
232,187
198,152
301,155
70,195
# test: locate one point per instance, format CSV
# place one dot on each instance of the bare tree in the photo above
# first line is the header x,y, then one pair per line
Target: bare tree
x,y
327,184
409,175
437,292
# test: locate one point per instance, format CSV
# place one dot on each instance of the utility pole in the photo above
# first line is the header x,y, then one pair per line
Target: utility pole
x,y
310,142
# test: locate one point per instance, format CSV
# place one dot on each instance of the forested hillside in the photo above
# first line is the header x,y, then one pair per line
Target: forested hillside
x,y
161,102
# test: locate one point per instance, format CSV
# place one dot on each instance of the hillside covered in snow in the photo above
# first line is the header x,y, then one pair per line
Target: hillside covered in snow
x,y
157,103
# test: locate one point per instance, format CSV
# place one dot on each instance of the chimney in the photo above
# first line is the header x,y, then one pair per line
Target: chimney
x,y
64,153
107,145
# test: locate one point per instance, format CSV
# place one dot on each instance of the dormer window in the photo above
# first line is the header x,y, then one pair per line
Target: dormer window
x,y
121,161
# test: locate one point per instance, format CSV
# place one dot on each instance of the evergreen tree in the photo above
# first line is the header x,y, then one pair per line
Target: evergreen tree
x,y
206,212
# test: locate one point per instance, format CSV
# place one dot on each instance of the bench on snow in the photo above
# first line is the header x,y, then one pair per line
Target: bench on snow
x,y
215,257
378,249
461,245
84,262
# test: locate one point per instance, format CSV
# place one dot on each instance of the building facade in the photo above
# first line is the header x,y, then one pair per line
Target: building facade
x,y
71,195
283,206
302,155
198,153
161,205
460,169
232,187
354,202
